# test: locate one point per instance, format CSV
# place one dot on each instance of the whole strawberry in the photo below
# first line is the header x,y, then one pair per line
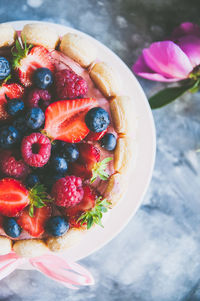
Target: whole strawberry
x,y
70,85
67,192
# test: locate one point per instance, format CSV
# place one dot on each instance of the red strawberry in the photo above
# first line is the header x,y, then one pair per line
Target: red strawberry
x,y
11,91
92,136
13,197
27,62
35,225
87,203
80,170
88,154
65,119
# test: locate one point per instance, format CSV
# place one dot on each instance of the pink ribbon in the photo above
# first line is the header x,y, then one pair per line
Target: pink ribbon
x,y
70,274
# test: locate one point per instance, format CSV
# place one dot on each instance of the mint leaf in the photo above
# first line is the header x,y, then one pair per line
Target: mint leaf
x,y
168,95
38,198
95,215
99,170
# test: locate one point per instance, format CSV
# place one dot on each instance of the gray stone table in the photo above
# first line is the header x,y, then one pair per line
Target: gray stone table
x,y
157,256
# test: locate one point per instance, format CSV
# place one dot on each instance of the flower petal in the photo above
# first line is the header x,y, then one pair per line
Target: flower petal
x,y
167,59
141,69
185,29
191,46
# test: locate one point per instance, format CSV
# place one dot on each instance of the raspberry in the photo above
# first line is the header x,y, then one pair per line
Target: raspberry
x,y
68,191
69,85
11,167
38,98
36,149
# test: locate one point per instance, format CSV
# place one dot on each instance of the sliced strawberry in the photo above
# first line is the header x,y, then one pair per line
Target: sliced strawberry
x,y
11,91
87,203
92,136
65,119
13,197
80,170
38,57
35,225
88,154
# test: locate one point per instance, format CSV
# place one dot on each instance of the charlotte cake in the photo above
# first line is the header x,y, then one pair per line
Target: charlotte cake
x,y
87,118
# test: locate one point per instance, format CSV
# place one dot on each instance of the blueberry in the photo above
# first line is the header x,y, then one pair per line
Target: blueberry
x,y
9,136
49,180
70,152
43,78
34,118
14,106
19,123
57,226
32,179
57,146
108,142
58,164
97,119
11,227
4,68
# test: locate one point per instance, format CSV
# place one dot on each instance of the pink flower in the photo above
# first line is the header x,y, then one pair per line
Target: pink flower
x,y
170,61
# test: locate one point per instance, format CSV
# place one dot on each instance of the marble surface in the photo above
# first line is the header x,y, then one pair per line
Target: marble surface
x,y
157,256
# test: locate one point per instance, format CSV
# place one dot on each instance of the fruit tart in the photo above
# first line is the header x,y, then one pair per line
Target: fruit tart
x,y
65,139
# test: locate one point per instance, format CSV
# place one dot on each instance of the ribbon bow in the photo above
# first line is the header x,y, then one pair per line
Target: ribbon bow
x,y
68,273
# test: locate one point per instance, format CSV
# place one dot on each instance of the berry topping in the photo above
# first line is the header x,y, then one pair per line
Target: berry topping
x,y
57,226
58,164
89,154
69,85
11,227
97,119
34,118
14,106
43,78
26,61
19,124
87,203
70,152
57,146
14,197
38,98
4,68
9,136
65,120
68,191
32,180
11,167
80,170
34,225
95,136
10,91
109,142
36,149
49,180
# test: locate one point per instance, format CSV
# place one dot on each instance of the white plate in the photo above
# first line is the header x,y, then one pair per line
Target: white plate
x,y
142,170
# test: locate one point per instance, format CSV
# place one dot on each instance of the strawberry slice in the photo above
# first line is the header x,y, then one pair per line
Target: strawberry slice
x,y
11,91
87,203
65,119
13,197
80,170
26,62
35,225
88,154
92,136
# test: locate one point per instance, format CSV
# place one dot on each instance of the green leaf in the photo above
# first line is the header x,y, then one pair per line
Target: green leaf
x,y
19,51
99,170
38,198
168,95
95,215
